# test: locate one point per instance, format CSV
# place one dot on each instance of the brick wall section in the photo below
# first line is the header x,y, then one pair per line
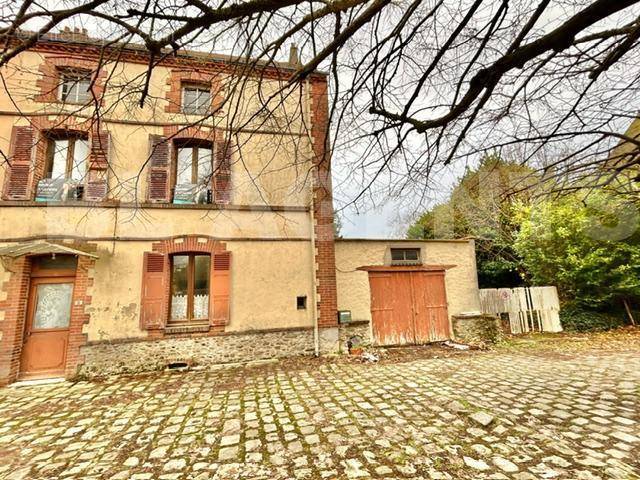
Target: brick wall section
x,y
176,132
79,315
323,206
14,307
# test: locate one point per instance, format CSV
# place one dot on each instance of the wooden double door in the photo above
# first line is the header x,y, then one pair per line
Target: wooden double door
x,y
408,307
46,333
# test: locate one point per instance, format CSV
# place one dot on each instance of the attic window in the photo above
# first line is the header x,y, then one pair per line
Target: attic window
x,y
405,256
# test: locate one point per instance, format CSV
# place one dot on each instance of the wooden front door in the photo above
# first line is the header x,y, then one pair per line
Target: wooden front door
x,y
408,307
46,335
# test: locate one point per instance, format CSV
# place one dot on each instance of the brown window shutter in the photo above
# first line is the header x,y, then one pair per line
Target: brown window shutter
x,y
222,173
159,167
100,149
18,175
154,283
220,288
96,190
97,186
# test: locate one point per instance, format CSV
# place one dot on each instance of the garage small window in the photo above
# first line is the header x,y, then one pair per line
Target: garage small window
x,y
405,256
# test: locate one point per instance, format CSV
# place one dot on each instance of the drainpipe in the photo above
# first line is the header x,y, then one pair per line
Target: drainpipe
x,y
314,290
314,310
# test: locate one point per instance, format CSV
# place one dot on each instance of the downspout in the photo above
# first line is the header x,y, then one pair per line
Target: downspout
x,y
314,278
314,290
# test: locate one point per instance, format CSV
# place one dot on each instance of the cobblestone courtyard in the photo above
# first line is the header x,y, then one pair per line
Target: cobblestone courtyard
x,y
565,409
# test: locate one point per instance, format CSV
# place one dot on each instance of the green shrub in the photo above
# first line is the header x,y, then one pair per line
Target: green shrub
x,y
578,319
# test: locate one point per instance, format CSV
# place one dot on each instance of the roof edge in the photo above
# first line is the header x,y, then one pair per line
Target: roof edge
x,y
407,240
82,40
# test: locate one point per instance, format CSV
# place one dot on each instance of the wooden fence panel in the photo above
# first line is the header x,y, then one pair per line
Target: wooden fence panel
x,y
529,308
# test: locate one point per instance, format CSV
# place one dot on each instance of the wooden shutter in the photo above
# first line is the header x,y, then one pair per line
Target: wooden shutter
x,y
222,173
154,287
220,288
18,174
100,149
159,168
96,190
99,156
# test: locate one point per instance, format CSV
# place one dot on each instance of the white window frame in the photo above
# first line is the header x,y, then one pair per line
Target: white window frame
x,y
199,109
200,163
68,77
73,162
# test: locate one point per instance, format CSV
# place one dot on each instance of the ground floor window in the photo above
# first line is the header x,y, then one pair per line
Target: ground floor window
x,y
190,275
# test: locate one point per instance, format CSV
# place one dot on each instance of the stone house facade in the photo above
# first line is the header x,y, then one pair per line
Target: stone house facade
x,y
196,227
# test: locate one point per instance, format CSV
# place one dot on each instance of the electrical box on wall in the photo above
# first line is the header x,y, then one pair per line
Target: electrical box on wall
x,y
344,316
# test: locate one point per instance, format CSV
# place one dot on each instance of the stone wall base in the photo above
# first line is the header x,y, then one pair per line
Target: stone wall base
x,y
477,329
348,330
139,356
135,356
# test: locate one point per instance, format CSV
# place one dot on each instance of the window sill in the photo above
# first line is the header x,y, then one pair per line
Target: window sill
x,y
177,329
62,103
207,112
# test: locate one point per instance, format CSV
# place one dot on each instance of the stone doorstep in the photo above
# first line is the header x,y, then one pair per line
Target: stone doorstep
x,y
37,382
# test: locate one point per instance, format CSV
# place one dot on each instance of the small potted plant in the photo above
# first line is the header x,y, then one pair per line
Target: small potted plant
x,y
355,346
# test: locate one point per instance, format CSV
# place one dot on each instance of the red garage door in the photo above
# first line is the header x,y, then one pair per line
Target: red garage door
x,y
408,306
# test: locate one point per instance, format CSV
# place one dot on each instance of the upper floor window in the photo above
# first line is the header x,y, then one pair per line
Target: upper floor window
x,y
194,165
68,158
75,87
405,256
196,99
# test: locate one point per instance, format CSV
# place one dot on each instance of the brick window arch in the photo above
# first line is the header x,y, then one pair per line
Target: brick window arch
x,y
179,79
156,281
52,70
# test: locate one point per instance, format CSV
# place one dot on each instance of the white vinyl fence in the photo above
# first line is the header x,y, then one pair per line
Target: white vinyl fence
x,y
529,308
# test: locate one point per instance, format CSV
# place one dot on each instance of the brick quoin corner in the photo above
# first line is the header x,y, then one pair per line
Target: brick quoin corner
x,y
323,207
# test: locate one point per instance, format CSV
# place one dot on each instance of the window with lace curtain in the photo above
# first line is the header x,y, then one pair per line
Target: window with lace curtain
x,y
189,287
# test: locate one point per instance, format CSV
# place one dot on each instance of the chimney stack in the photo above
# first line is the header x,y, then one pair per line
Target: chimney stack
x,y
72,34
294,59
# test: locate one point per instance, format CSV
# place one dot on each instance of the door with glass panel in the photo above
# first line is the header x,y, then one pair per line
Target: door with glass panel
x,y
190,274
46,335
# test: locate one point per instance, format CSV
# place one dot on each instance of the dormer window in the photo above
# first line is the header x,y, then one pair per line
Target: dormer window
x,y
75,87
196,99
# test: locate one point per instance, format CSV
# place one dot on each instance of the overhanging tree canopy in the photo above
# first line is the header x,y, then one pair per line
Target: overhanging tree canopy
x,y
416,84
